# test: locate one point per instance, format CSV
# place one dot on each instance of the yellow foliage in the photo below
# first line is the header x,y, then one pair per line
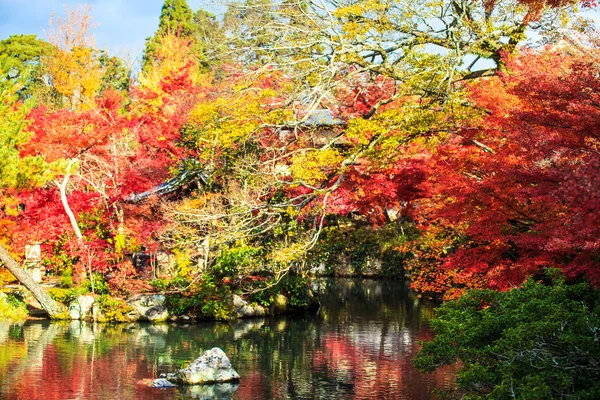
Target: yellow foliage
x,y
172,57
10,204
313,166
360,130
287,254
225,123
183,262
76,75
73,66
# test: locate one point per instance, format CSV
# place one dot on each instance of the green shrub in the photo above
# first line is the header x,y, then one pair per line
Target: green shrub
x,y
66,296
294,287
238,259
113,309
159,284
66,278
205,298
539,341
96,284
12,307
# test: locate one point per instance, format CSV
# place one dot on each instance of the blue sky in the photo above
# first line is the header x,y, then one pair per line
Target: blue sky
x,y
123,24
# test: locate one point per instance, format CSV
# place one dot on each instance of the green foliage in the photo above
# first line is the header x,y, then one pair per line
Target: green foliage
x,y
67,293
175,18
539,341
96,284
349,248
201,28
205,298
294,287
113,309
65,296
116,75
66,278
236,259
16,171
208,37
264,297
24,52
12,307
159,284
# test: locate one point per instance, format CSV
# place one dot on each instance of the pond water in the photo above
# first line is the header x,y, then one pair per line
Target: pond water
x,y
357,346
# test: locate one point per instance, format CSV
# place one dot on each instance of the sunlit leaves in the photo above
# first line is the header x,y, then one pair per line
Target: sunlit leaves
x,y
521,178
73,66
313,166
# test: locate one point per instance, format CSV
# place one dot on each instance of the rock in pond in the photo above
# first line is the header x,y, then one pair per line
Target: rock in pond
x,y
211,367
161,383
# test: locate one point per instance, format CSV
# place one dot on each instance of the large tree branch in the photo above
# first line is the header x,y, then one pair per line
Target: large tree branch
x,y
53,308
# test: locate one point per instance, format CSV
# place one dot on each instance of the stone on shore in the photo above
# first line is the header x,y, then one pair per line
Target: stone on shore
x,y
243,309
150,307
280,304
81,307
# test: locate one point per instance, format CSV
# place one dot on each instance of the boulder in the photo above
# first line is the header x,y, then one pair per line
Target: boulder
x,y
211,367
246,311
161,383
280,304
243,309
150,307
238,302
80,307
157,314
259,311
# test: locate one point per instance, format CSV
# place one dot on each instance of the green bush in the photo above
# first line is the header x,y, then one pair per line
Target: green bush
x,y
205,298
12,307
113,309
66,278
66,296
159,284
539,341
96,284
237,259
294,287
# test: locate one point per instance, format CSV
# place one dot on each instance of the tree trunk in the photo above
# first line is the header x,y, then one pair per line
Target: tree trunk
x,y
53,308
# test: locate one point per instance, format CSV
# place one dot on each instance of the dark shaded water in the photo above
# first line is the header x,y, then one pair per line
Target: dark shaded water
x,y
358,346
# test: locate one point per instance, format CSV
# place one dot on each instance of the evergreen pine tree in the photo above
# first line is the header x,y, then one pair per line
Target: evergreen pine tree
x,y
175,17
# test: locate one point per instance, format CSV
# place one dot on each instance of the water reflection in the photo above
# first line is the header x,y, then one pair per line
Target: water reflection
x,y
358,346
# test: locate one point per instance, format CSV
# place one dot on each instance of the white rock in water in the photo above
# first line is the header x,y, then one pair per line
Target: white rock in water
x,y
211,367
161,383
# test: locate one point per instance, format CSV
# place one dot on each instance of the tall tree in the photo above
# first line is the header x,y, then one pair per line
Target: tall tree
x,y
16,172
74,69
26,52
518,192
176,18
